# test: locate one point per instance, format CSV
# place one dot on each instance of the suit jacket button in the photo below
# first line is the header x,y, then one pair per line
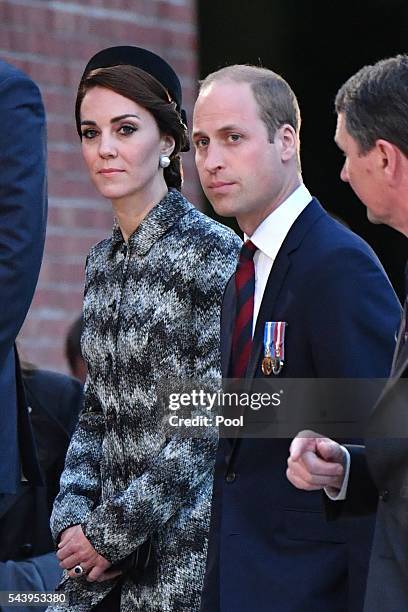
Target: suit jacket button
x,y
230,477
384,495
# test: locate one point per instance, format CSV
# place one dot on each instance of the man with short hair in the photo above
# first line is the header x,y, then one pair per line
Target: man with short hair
x,y
372,131
309,299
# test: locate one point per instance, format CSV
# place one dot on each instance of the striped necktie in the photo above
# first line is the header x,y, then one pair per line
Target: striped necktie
x,y
245,288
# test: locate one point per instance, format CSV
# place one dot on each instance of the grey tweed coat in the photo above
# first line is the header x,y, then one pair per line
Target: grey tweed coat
x,y
151,311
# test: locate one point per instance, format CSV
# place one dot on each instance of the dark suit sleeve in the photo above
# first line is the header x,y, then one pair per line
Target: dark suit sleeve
x,y
35,574
357,314
22,201
362,495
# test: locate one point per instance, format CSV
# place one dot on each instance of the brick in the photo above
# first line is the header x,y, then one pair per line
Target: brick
x,y
69,300
52,272
77,217
66,245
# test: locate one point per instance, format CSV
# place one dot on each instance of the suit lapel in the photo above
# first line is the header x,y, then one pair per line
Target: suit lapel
x,y
400,362
277,277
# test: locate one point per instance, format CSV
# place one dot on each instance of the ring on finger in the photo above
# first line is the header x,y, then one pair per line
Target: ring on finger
x,y
78,570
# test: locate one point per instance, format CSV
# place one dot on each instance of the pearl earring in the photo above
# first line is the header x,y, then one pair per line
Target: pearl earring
x,y
164,161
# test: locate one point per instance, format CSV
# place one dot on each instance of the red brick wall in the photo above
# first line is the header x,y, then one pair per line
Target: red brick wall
x,y
52,43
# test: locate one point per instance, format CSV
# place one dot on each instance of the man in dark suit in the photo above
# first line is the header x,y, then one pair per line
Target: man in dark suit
x,y
22,232
372,130
27,554
309,299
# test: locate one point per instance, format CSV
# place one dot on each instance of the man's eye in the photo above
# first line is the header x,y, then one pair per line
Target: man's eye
x,y
89,134
234,137
127,130
201,143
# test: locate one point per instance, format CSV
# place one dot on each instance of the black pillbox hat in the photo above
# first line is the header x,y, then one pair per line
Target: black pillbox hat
x,y
143,59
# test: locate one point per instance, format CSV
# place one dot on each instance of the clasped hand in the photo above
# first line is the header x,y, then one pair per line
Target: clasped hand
x,y
75,549
315,462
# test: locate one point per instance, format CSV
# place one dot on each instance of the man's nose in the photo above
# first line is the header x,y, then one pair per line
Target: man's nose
x,y
344,173
214,159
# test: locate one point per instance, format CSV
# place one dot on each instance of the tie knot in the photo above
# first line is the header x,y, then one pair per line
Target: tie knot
x,y
247,251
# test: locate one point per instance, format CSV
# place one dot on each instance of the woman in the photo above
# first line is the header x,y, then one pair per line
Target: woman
x,y
151,311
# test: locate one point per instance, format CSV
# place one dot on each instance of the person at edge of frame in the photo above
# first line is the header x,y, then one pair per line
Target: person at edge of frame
x,y
23,214
372,131
27,555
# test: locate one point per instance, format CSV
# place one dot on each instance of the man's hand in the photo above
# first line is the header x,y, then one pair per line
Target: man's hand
x,y
75,549
315,462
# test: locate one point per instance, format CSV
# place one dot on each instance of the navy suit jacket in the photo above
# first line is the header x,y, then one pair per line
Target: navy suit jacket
x,y
270,547
23,208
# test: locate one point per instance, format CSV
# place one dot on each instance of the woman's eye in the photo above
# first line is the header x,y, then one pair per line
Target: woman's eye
x,y
126,130
89,134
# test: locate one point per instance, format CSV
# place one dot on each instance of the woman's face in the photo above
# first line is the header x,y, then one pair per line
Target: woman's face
x,y
121,145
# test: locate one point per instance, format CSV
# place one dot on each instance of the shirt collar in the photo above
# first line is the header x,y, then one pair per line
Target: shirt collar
x,y
270,234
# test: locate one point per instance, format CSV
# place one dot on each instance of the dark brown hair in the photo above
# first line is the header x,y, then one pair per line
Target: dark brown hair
x,y
374,102
140,87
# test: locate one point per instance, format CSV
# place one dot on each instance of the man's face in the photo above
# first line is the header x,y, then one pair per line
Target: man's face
x,y
363,172
241,171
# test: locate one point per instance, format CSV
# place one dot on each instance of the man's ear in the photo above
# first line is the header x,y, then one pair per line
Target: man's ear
x,y
388,157
289,141
167,144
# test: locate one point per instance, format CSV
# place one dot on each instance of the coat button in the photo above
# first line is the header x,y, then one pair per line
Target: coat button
x,y
230,477
384,495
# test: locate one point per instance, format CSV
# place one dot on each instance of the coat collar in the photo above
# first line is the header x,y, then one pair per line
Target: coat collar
x,y
156,223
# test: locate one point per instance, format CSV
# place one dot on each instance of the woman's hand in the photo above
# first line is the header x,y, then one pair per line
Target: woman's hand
x,y
75,549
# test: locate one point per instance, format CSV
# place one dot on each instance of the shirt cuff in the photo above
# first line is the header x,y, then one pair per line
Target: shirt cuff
x,y
335,494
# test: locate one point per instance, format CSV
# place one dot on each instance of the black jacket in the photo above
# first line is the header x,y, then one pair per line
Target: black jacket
x,y
54,402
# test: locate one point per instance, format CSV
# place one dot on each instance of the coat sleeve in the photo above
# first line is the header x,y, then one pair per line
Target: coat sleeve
x,y
23,204
120,524
37,574
80,481
362,494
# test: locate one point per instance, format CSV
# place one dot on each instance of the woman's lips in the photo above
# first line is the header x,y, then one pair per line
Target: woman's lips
x,y
110,171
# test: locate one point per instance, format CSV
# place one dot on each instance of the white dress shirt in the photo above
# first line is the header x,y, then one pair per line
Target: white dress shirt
x,y
269,236
334,494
